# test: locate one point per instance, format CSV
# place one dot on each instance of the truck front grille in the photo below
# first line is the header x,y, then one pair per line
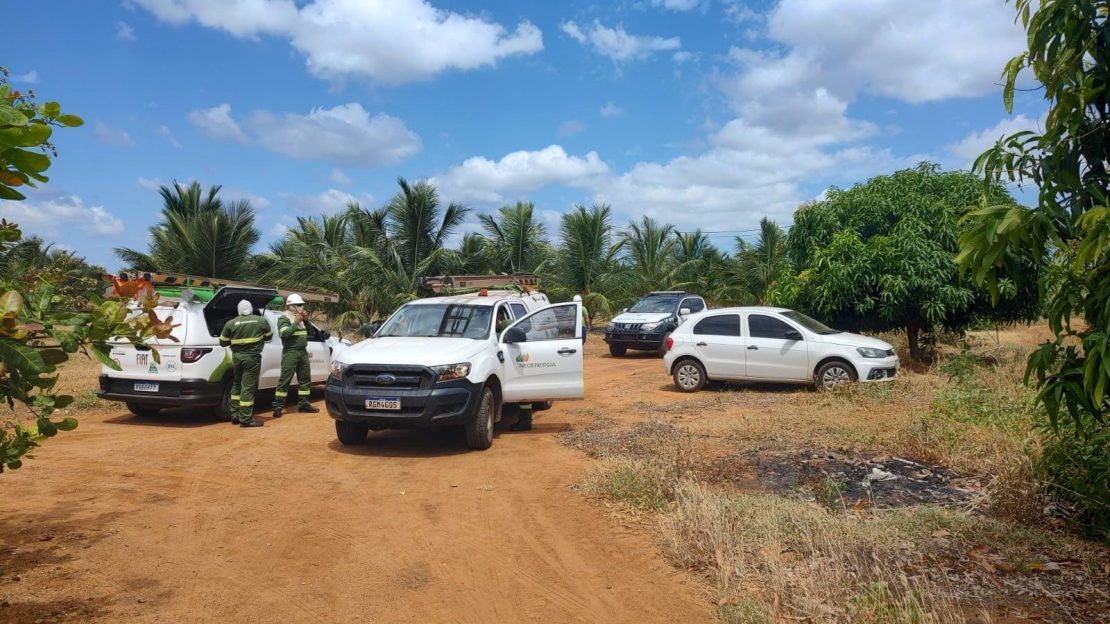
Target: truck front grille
x,y
388,376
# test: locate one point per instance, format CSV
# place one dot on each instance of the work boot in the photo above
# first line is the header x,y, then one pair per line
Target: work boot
x,y
251,423
277,412
307,408
523,423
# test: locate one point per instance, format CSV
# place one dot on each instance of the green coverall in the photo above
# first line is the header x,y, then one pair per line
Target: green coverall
x,y
294,359
245,335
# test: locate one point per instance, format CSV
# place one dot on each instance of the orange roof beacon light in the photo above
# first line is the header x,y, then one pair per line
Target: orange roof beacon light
x,y
483,293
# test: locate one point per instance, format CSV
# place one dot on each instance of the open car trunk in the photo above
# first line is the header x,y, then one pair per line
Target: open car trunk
x,y
223,305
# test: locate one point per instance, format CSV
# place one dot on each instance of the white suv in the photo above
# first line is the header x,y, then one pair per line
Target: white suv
x,y
774,345
195,371
457,360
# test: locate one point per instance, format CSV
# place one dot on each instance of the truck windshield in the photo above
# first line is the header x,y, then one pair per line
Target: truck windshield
x,y
811,324
439,320
655,305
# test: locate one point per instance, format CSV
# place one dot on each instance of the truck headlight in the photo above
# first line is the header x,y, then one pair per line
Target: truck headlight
x,y
650,326
868,352
447,372
609,327
337,369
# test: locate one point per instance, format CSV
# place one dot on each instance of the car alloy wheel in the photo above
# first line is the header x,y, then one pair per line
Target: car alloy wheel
x,y
835,376
688,376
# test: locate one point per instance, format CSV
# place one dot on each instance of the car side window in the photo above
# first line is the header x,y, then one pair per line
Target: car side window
x,y
760,326
504,318
721,325
519,311
554,323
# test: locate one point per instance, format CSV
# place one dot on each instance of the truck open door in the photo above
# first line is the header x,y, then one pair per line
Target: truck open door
x,y
543,355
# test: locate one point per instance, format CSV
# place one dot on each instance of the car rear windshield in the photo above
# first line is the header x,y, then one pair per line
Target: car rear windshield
x,y
439,320
811,324
655,305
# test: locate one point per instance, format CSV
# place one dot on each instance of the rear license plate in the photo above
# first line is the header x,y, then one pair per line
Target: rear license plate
x,y
146,387
382,403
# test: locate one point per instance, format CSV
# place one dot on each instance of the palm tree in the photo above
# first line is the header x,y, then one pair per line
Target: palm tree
x,y
515,238
763,262
588,255
650,249
471,258
198,235
417,231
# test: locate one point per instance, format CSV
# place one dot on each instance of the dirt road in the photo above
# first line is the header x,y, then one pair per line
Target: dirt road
x,y
181,518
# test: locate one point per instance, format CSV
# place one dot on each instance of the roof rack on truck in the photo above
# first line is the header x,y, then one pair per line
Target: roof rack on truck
x,y
171,285
456,284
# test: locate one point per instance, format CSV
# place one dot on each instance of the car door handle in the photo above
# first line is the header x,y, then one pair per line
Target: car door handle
x,y
753,348
702,344
566,351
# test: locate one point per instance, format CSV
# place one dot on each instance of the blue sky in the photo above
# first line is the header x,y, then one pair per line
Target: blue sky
x,y
702,113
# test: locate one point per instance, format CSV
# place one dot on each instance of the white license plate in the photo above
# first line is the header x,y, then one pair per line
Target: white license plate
x,y
146,387
380,403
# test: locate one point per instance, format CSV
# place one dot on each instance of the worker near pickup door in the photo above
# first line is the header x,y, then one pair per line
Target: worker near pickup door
x,y
245,334
585,318
293,331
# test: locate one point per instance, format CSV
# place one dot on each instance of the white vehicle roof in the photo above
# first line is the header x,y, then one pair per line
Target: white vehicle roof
x,y
738,309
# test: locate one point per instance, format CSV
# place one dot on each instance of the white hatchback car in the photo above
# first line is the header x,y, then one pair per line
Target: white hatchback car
x,y
775,345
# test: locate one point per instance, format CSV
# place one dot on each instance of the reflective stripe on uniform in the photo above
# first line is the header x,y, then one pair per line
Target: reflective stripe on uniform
x,y
235,397
240,341
301,333
279,393
246,403
285,330
304,392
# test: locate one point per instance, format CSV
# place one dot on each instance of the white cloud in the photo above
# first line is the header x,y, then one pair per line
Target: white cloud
x,y
570,127
677,5
54,216
230,194
216,123
112,136
683,56
483,180
611,110
124,32
150,184
339,177
329,201
916,51
279,230
346,133
967,149
31,77
398,41
618,44
166,133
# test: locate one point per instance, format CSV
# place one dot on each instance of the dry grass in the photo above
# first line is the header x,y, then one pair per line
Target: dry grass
x,y
772,552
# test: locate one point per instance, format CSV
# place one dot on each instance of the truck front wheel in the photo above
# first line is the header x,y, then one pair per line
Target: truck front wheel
x,y
616,351
351,432
479,427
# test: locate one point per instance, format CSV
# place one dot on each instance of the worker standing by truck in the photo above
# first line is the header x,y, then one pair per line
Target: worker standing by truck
x,y
245,334
294,356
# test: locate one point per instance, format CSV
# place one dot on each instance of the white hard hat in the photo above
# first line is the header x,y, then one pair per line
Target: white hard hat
x,y
294,299
245,308
578,297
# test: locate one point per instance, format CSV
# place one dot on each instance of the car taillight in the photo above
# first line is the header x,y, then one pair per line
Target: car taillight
x,y
670,343
189,356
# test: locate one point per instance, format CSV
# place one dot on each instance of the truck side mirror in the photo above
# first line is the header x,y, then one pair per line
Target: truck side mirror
x,y
793,335
684,312
369,329
623,310
514,335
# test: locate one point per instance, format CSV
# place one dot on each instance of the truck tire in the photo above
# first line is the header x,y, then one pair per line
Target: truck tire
x,y
224,410
351,432
479,427
617,351
662,349
146,411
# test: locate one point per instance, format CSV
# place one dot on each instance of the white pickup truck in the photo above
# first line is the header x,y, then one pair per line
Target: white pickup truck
x,y
457,360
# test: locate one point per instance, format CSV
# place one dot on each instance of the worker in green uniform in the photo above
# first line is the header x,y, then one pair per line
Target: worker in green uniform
x,y
294,356
245,334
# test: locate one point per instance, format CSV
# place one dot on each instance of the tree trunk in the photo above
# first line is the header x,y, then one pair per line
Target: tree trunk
x,y
913,332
